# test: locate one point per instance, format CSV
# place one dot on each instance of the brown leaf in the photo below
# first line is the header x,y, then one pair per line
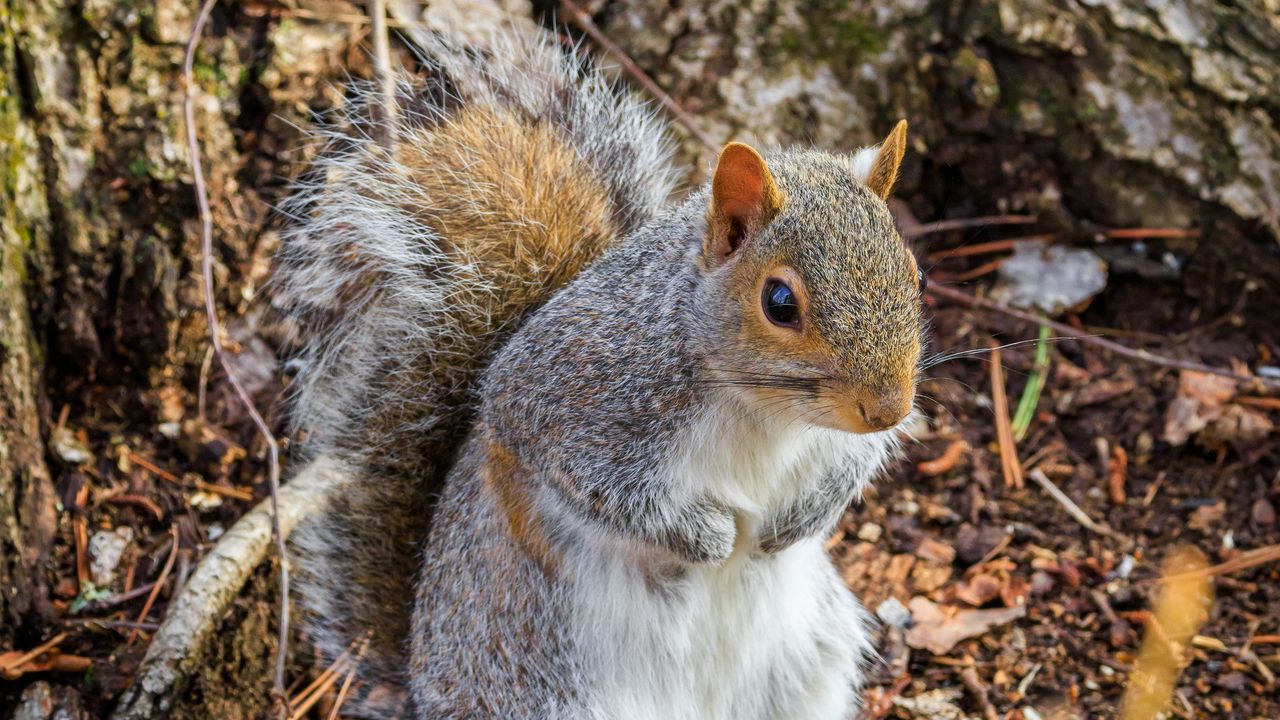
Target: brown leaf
x,y
978,590
935,551
1200,400
1205,517
927,577
1104,390
938,628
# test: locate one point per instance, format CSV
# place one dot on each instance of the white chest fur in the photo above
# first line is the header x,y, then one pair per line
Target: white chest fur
x,y
753,638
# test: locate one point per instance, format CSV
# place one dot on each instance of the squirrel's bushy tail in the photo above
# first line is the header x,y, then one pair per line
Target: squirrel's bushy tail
x,y
403,267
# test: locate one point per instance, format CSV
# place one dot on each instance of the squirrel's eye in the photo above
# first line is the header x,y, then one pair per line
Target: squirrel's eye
x,y
922,280
780,304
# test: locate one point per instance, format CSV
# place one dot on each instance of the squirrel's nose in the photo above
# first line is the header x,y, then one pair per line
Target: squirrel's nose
x,y
886,409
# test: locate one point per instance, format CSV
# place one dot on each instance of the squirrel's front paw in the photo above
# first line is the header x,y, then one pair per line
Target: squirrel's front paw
x,y
705,533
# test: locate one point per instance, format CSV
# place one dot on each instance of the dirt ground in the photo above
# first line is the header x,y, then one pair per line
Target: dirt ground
x,y
1066,605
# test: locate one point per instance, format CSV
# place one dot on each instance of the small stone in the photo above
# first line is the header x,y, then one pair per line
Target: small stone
x,y
1233,681
205,501
106,547
910,508
935,551
1124,568
1263,513
68,447
1041,582
1205,517
36,703
973,543
870,532
893,613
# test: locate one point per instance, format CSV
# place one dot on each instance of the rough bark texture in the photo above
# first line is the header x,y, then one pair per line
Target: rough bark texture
x,y
1117,112
100,304
26,492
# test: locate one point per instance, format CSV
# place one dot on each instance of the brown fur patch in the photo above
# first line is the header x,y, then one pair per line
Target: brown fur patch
x,y
508,481
509,195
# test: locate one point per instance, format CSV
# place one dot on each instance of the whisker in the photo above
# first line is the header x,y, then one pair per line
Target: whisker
x,y
939,359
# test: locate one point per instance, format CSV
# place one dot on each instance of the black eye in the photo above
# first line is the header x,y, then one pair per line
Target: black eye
x,y
922,280
780,304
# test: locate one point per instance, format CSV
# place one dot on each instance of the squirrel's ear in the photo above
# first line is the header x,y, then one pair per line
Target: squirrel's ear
x,y
877,167
744,199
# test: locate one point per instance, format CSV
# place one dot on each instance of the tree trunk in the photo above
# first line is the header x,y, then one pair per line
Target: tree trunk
x,y
101,311
1107,112
27,517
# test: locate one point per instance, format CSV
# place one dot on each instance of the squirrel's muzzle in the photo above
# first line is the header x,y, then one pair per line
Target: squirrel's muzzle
x,y
884,410
871,409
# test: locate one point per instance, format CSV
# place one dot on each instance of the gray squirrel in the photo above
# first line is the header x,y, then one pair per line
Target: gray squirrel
x,y
591,443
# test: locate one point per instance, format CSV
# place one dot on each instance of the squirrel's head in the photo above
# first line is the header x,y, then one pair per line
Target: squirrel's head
x,y
823,313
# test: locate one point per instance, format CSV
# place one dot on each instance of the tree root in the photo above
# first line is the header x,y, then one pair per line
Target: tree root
x,y
195,613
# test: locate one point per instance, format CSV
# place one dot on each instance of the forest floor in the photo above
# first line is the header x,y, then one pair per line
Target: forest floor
x,y
1163,458
952,533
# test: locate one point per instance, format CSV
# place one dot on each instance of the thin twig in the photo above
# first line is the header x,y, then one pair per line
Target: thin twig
x,y
979,690
589,27
1066,332
299,700
1253,558
1266,403
34,653
319,687
215,333
109,623
346,684
141,501
963,223
1075,512
159,583
382,68
165,475
202,392
1009,463
968,275
80,530
1132,233
108,602
984,248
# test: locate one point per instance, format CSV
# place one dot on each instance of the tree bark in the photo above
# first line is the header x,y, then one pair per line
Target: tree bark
x,y
27,516
100,300
1088,112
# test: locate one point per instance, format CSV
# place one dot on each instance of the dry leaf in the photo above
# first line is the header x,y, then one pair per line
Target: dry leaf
x,y
934,704
1201,397
938,628
979,589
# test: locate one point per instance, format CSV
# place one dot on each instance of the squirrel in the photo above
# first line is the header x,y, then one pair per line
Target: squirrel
x,y
591,442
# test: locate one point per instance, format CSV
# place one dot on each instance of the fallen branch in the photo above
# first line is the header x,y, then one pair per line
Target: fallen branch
x,y
1066,332
1076,513
194,614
